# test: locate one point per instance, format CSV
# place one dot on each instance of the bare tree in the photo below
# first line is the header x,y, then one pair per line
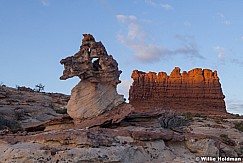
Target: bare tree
x,y
170,119
39,87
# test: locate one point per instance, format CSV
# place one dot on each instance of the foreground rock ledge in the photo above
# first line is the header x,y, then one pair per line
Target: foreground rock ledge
x,y
96,92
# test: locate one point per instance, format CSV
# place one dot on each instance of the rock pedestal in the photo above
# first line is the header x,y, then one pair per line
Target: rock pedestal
x,y
196,91
92,99
96,92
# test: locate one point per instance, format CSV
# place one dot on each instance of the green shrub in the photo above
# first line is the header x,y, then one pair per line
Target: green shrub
x,y
170,119
51,105
239,126
227,140
241,149
201,116
188,116
61,111
12,125
19,114
236,116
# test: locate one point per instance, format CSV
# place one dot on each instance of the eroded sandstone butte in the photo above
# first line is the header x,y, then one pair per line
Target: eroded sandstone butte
x,y
196,91
96,92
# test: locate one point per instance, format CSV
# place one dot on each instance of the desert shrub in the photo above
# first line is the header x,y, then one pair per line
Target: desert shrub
x,y
239,126
223,136
30,101
188,116
170,119
227,140
19,114
201,116
51,105
218,121
23,88
39,87
12,125
241,149
61,111
236,116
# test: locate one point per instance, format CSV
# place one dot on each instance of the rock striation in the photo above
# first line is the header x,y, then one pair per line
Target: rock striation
x,y
22,108
96,92
196,91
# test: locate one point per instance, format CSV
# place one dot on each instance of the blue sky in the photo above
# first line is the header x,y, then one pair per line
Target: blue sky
x,y
149,35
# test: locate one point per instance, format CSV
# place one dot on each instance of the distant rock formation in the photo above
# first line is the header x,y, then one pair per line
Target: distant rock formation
x,y
196,91
96,92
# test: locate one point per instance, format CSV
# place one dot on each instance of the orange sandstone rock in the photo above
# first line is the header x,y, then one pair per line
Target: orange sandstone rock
x,y
196,91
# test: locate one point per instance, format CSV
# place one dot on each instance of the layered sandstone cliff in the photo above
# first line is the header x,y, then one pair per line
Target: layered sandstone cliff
x,y
197,91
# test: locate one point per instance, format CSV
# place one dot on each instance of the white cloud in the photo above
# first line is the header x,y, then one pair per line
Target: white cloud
x,y
221,52
145,53
45,2
223,19
136,40
123,18
166,6
225,56
133,28
123,87
151,2
156,4
235,106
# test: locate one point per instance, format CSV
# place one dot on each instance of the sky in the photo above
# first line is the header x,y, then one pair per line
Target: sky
x,y
148,35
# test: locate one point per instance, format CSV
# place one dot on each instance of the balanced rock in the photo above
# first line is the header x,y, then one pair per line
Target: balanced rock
x,y
196,91
96,92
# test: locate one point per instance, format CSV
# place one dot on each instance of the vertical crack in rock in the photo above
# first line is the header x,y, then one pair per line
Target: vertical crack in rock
x,y
96,92
196,91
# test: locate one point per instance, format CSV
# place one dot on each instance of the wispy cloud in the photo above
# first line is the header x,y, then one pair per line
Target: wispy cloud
x,y
166,6
136,40
123,18
241,37
189,46
156,4
237,61
235,106
221,52
225,56
151,2
45,2
223,19
123,88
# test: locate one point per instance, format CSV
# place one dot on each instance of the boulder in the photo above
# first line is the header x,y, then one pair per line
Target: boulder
x,y
203,147
92,99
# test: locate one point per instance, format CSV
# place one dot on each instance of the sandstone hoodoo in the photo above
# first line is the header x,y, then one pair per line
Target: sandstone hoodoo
x,y
196,91
96,92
